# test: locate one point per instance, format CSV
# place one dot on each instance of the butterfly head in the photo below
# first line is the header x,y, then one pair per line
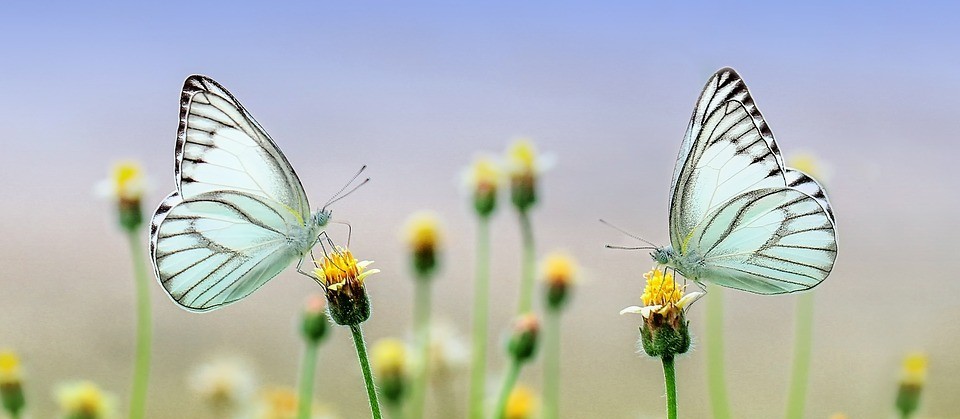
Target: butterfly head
x,y
322,217
663,255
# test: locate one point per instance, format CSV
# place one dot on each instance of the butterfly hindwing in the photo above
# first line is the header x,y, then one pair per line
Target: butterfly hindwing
x,y
217,247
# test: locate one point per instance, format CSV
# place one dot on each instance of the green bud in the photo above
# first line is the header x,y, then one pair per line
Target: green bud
x,y
523,192
315,324
425,261
908,398
11,394
131,217
485,201
348,309
665,332
523,344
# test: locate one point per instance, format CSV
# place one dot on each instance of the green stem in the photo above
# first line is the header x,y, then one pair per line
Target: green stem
x,y
365,367
395,411
141,371
714,348
508,382
802,348
308,369
481,306
670,382
551,361
421,322
526,280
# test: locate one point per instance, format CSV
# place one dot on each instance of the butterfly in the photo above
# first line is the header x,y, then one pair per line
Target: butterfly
x,y
739,217
239,215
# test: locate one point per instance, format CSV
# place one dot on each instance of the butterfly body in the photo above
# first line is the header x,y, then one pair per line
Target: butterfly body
x,y
239,215
739,217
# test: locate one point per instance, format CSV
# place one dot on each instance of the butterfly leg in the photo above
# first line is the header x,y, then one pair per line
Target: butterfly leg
x,y
299,270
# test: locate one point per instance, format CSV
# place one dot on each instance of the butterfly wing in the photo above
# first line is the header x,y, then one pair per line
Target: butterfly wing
x,y
767,241
221,147
806,184
217,247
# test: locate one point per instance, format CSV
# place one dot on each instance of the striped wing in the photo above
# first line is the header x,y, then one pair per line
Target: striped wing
x,y
214,248
806,184
767,241
221,147
729,155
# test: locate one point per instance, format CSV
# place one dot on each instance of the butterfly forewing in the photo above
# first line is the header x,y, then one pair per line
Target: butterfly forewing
x,y
221,147
217,247
806,184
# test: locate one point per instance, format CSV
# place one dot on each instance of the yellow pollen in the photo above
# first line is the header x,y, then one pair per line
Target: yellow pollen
x,y
340,268
660,289
915,368
423,231
559,269
523,156
485,174
128,179
389,357
9,367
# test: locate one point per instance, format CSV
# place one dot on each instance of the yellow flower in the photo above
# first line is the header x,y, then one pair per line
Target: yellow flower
x,y
127,182
810,164
9,367
342,277
522,403
85,399
661,292
423,237
389,357
524,165
482,179
278,403
224,384
559,271
914,369
664,331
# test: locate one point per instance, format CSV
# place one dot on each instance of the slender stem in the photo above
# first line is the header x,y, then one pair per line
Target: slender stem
x,y
365,367
395,410
481,305
508,382
714,348
141,371
308,369
526,280
421,322
551,365
670,382
802,348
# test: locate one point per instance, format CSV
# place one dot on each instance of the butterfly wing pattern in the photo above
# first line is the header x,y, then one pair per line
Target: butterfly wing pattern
x,y
738,217
239,215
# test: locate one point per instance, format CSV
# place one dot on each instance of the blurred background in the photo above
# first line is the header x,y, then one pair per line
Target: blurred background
x,y
414,90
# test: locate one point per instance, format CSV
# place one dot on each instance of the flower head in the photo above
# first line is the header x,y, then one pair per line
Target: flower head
x,y
524,165
226,384
126,186
314,325
482,179
423,237
664,330
390,363
342,277
560,271
912,379
84,399
522,403
11,386
523,343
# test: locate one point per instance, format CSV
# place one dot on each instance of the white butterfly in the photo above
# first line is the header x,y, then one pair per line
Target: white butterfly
x,y
739,218
239,215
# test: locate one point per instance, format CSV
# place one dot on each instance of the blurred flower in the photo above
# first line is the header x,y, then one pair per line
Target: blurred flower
x,y
839,416
11,385
279,402
522,403
315,324
126,186
912,379
85,400
559,271
423,237
448,352
342,276
391,366
811,165
664,330
523,343
524,166
482,180
226,384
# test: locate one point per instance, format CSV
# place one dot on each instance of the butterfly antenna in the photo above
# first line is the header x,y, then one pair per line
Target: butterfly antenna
x,y
340,194
346,194
612,246
605,222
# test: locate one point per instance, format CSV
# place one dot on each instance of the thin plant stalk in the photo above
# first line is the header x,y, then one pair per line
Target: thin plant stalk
x,y
527,270
508,383
421,321
551,365
307,374
481,306
802,348
365,368
670,382
141,370
714,347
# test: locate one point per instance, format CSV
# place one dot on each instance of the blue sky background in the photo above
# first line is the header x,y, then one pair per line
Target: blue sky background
x,y
414,90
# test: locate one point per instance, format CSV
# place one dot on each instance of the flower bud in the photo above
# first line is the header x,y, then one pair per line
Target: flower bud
x,y
315,323
423,237
342,277
390,364
11,385
522,345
